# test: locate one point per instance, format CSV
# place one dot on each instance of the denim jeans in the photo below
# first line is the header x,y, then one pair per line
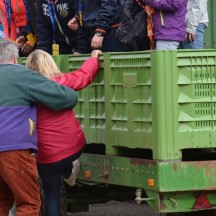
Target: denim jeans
x,y
50,175
198,42
110,42
19,183
166,45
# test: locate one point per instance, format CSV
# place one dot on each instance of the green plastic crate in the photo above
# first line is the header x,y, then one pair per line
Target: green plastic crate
x,y
90,110
22,60
161,100
58,60
128,101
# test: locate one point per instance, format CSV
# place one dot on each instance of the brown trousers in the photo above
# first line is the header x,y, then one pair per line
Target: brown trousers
x,y
19,183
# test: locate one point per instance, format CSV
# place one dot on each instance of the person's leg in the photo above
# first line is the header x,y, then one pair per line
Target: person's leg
x,y
198,43
18,169
6,197
110,42
70,167
166,45
51,180
73,171
84,37
63,200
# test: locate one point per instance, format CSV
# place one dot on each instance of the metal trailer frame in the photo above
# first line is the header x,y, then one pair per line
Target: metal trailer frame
x,y
171,186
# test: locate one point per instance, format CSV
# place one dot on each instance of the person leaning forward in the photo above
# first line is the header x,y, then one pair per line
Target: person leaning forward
x,y
20,90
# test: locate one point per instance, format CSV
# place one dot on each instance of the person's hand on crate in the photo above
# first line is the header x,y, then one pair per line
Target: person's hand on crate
x,y
96,53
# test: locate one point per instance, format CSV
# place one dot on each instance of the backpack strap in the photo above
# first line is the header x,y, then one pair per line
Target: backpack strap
x,y
149,11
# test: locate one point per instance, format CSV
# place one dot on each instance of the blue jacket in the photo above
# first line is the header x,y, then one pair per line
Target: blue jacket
x,y
101,14
20,89
169,19
97,15
65,10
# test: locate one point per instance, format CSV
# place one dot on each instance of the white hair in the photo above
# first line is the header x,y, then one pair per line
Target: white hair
x,y
8,50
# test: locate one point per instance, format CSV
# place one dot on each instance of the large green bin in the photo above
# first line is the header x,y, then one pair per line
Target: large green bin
x,y
160,100
90,110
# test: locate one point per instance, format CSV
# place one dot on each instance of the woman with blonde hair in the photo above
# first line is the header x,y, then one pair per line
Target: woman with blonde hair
x,y
43,63
60,137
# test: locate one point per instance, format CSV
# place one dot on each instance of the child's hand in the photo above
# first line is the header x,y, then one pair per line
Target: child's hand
x,y
95,53
27,48
73,24
20,41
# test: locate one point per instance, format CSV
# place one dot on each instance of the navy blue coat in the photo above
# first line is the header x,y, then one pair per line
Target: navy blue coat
x,y
100,15
65,10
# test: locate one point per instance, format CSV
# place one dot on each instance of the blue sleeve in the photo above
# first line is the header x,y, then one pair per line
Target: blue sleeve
x,y
43,27
108,14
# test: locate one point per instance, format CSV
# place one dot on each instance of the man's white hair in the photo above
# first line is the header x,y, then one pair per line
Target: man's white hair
x,y
8,50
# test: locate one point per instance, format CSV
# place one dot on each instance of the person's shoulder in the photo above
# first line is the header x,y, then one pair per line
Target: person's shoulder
x,y
21,67
25,71
12,66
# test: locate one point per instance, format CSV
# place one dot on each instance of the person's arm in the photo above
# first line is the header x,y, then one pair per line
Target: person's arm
x,y
43,27
40,90
165,5
194,15
108,12
84,76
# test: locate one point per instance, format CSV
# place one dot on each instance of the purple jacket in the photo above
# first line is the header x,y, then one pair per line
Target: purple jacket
x,y
169,21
